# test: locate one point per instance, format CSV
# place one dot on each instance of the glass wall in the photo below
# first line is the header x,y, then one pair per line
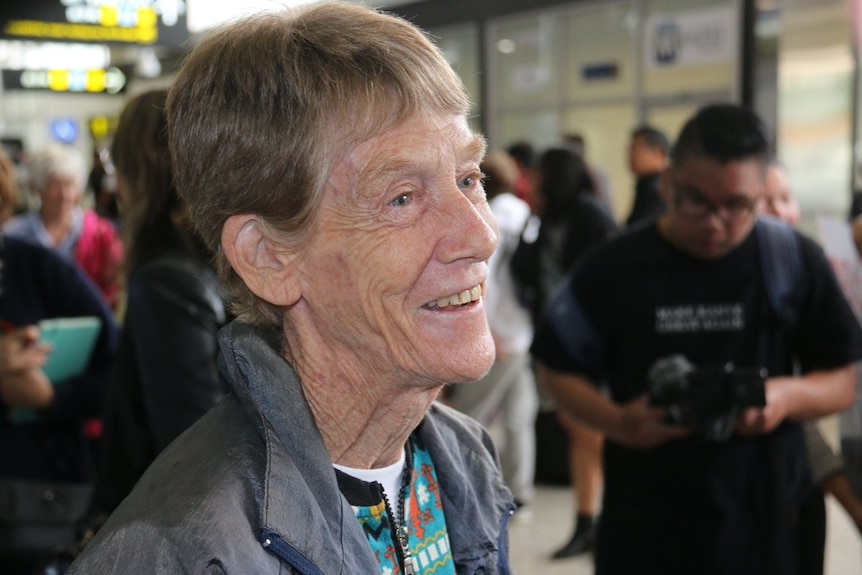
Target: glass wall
x,y
601,68
815,105
460,45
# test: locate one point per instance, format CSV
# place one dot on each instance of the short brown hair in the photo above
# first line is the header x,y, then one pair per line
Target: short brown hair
x,y
263,109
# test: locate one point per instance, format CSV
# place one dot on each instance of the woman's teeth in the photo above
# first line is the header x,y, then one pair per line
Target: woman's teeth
x,y
466,296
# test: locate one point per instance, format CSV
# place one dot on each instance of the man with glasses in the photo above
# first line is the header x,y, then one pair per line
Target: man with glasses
x,y
683,304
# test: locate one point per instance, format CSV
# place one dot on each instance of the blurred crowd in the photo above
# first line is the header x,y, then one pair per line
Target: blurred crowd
x,y
74,448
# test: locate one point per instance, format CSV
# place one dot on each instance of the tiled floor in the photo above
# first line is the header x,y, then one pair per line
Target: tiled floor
x,y
535,536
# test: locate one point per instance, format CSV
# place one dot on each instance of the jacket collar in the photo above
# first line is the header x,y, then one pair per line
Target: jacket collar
x,y
299,479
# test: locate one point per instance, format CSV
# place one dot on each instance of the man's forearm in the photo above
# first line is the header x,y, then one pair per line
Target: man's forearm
x,y
816,394
580,399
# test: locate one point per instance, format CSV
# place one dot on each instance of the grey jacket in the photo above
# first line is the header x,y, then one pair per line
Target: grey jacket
x,y
250,488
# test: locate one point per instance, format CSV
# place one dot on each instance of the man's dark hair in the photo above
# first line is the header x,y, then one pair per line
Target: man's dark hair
x,y
725,133
653,137
524,153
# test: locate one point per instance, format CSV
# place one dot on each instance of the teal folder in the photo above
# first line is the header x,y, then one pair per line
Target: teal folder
x,y
72,340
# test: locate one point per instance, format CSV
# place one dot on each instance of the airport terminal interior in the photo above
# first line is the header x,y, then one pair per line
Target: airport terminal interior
x,y
536,71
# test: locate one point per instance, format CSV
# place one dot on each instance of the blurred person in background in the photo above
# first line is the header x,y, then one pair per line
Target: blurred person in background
x,y
647,156
102,183
777,199
851,420
601,188
46,466
828,469
508,391
166,377
58,177
524,155
571,222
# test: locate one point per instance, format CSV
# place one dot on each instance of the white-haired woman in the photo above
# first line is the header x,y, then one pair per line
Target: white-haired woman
x,y
57,177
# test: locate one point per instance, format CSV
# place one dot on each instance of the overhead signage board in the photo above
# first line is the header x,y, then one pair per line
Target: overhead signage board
x,y
141,22
99,81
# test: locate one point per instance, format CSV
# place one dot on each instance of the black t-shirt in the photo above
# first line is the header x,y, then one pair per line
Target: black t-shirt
x,y
645,299
638,299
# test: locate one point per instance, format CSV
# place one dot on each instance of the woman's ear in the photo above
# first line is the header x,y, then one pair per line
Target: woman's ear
x,y
264,266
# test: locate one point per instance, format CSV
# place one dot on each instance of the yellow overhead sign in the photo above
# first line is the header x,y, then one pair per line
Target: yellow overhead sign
x,y
143,22
81,32
102,126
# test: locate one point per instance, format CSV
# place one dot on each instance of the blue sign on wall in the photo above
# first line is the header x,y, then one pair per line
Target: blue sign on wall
x,y
64,130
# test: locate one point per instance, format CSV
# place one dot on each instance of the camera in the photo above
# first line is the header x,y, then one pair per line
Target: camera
x,y
706,399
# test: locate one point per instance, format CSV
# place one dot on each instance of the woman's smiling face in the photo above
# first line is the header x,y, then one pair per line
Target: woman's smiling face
x,y
395,268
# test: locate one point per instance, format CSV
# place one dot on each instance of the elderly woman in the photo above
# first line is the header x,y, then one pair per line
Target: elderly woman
x,y
58,177
46,468
326,159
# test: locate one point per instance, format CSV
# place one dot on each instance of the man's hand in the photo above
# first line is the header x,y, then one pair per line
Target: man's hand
x,y
642,426
762,420
635,424
754,421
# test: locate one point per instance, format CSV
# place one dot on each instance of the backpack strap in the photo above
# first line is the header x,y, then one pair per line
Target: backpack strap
x,y
781,265
573,329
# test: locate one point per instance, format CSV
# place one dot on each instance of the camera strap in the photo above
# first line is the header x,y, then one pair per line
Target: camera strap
x,y
571,325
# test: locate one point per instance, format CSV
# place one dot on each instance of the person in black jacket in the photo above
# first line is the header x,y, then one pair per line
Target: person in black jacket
x,y
166,376
46,462
572,222
648,153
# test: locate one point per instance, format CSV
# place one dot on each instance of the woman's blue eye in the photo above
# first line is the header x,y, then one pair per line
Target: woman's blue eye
x,y
400,201
468,182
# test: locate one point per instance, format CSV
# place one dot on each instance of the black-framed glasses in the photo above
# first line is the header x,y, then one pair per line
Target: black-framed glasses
x,y
692,205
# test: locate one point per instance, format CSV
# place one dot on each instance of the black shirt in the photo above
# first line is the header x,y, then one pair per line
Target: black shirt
x,y
640,299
